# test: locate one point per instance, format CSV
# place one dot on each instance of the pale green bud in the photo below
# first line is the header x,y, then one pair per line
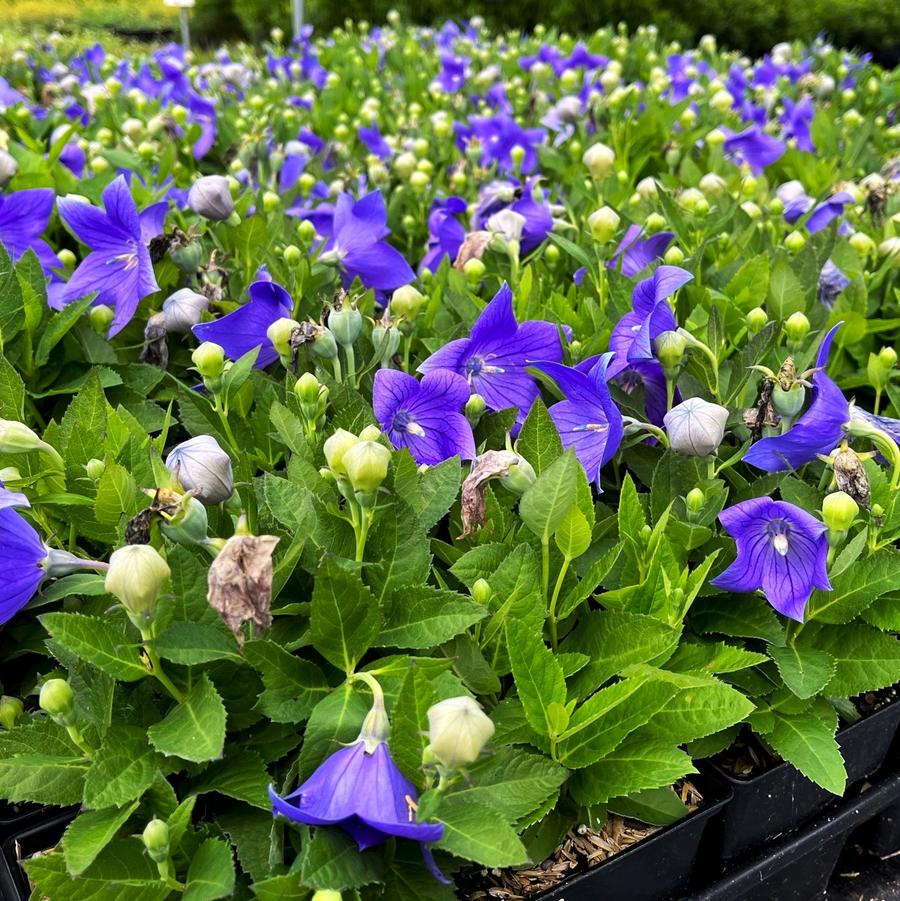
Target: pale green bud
x,y
100,318
599,159
756,320
482,591
603,224
94,468
367,465
336,447
795,242
209,360
654,223
458,730
292,254
57,700
838,512
136,576
10,710
17,438
156,840
280,332
695,500
674,255
796,327
406,301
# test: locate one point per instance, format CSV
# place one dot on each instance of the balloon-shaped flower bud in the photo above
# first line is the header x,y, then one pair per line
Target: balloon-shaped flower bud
x,y
839,510
8,167
385,340
406,301
17,438
756,320
520,478
209,360
458,730
10,711
599,160
184,309
94,469
367,466
136,575
345,324
57,700
669,348
796,328
482,591
156,840
474,409
280,332
880,367
695,501
202,467
327,894
603,224
336,447
210,197
308,388
695,427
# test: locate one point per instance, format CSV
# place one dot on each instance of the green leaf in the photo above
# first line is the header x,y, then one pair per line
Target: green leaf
x,y
293,685
78,584
865,659
12,304
121,770
634,766
409,722
538,676
573,537
807,741
83,427
122,872
331,859
712,657
90,833
752,618
191,643
854,589
546,502
606,718
479,833
100,641
336,720
786,295
281,888
422,617
539,442
805,671
211,873
194,729
513,782
345,618
12,392
241,775
58,327
118,496
656,806
43,778
431,493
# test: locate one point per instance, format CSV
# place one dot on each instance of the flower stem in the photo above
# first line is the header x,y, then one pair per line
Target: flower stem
x,y
336,365
545,570
351,364
156,668
78,738
554,639
362,532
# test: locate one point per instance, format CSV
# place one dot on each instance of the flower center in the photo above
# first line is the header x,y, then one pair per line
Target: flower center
x,y
629,380
778,532
403,422
477,366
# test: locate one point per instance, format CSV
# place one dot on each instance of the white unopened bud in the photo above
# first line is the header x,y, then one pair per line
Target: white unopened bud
x,y
183,310
136,576
210,197
603,224
202,467
8,167
458,730
600,160
695,427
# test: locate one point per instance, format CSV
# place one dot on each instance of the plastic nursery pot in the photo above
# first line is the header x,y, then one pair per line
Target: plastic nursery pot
x,y
19,846
782,798
16,817
883,837
799,867
657,868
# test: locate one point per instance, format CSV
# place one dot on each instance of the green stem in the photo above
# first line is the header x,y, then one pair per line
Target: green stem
x,y
362,533
793,630
555,599
156,668
336,366
78,738
670,393
351,364
877,403
545,570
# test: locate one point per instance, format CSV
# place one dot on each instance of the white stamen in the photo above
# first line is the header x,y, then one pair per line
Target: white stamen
x,y
780,543
415,429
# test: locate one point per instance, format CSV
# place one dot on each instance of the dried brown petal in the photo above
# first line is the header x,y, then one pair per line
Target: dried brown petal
x,y
472,248
155,350
851,478
240,582
137,529
490,465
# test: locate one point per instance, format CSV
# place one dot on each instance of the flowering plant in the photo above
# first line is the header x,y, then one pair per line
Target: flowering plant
x,y
450,465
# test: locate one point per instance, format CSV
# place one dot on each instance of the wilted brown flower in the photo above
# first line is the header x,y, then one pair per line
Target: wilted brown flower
x,y
490,465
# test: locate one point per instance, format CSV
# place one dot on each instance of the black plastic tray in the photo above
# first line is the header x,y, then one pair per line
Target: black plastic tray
x,y
782,798
37,837
883,836
657,868
799,867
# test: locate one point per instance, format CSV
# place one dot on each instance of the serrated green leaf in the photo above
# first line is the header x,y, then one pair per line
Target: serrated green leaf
x,y
241,775
807,741
59,325
865,659
281,888
539,442
656,806
422,617
331,859
538,676
854,589
409,723
43,778
83,427
336,720
805,671
121,770
546,502
118,496
12,304
752,618
90,833
479,833
191,643
345,618
195,728
101,642
293,685
211,873
573,537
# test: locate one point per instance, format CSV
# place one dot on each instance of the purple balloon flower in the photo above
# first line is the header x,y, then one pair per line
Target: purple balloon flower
x,y
818,431
755,148
506,195
495,356
118,267
445,232
780,549
245,328
587,419
832,282
22,554
23,219
796,119
360,789
357,241
375,143
636,253
633,335
424,416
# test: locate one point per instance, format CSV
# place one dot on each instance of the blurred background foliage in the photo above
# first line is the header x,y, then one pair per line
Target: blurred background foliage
x,y
751,26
